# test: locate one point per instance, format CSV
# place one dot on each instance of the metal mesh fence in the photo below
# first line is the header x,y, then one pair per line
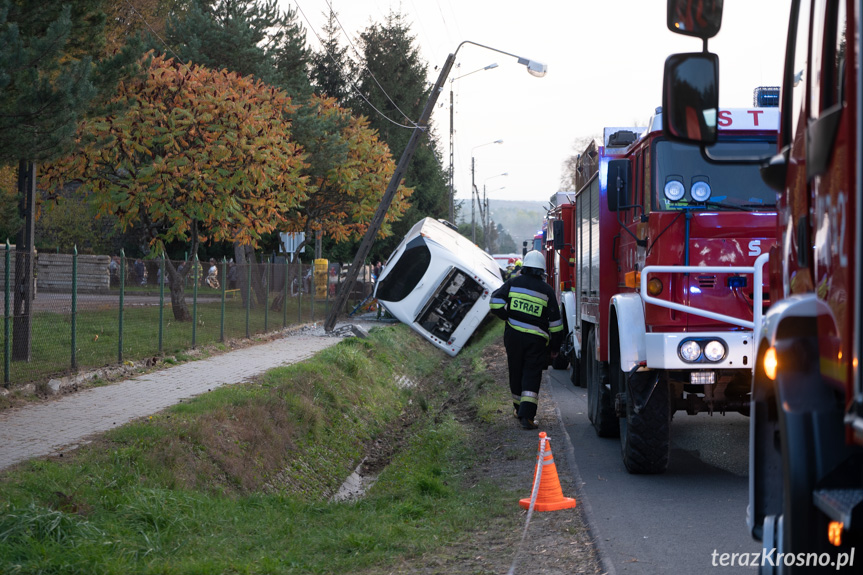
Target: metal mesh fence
x,y
88,311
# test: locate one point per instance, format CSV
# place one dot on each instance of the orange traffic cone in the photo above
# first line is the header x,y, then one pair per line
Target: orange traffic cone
x,y
549,495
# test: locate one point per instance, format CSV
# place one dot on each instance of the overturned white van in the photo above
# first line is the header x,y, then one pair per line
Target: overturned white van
x,y
438,283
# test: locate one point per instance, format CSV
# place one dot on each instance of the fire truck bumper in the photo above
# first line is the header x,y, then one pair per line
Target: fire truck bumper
x,y
700,350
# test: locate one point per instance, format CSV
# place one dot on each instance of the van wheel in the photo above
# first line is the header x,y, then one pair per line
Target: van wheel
x,y
645,437
600,407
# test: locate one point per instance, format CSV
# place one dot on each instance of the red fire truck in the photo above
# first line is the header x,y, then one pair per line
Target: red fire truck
x,y
806,429
657,259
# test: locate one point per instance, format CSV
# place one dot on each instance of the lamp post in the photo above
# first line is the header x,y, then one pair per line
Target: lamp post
x,y
451,140
474,193
534,68
483,212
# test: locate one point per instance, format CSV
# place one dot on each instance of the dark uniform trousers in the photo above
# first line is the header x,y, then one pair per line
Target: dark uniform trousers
x,y
533,328
527,357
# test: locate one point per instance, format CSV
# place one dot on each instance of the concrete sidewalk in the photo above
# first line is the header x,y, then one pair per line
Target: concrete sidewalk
x,y
62,424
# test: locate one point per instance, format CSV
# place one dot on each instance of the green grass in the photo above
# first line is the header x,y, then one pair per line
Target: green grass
x,y
238,480
98,333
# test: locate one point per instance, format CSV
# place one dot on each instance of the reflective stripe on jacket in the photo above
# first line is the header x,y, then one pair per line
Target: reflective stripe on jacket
x,y
528,305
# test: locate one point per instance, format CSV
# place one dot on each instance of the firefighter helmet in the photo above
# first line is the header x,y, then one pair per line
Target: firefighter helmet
x,y
534,259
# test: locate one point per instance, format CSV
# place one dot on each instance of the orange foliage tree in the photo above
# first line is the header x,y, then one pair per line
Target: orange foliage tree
x,y
348,168
196,154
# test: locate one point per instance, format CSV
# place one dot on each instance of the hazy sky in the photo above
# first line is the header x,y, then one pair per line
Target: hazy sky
x,y
605,62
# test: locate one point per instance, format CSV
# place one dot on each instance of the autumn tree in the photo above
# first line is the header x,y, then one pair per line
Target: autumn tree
x,y
394,79
198,154
348,170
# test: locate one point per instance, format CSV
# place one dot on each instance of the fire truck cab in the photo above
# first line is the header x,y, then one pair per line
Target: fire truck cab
x,y
657,257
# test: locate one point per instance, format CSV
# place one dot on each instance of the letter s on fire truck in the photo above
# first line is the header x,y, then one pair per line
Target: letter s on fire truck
x,y
806,428
656,260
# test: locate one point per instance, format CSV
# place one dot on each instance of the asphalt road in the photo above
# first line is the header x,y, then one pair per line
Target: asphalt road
x,y
670,523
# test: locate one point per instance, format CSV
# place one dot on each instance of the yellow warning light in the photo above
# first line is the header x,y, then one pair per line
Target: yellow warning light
x,y
771,363
654,286
834,533
632,279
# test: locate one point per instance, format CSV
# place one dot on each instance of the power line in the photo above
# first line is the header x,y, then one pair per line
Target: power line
x,y
156,34
353,85
387,96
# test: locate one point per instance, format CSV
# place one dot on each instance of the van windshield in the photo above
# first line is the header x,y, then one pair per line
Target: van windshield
x,y
406,272
732,186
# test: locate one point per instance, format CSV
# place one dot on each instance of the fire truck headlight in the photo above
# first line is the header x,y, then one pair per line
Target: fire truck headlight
x,y
714,350
690,350
700,191
674,190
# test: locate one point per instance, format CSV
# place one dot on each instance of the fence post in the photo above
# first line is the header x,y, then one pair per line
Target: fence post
x,y
195,280
299,290
222,313
122,294
248,293
74,306
314,293
266,295
6,341
161,300
285,297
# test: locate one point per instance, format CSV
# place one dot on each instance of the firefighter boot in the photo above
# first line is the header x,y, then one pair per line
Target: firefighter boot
x,y
527,414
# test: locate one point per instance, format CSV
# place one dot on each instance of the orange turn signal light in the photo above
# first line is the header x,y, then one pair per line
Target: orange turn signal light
x,y
632,279
654,286
834,533
771,363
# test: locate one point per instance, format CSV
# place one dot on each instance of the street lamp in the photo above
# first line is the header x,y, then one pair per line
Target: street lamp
x,y
451,140
483,211
533,67
489,245
474,193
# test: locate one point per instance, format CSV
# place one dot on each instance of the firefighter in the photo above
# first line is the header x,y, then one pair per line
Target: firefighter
x,y
533,331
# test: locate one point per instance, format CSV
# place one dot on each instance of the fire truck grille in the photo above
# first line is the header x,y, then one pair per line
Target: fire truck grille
x,y
706,282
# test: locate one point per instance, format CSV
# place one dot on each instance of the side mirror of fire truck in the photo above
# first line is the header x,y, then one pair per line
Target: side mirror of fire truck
x,y
617,188
557,235
701,18
690,97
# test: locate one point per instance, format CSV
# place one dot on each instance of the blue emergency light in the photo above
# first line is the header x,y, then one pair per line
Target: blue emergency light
x,y
766,97
737,282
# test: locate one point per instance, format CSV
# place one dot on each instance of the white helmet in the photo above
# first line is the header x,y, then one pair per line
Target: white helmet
x,y
534,259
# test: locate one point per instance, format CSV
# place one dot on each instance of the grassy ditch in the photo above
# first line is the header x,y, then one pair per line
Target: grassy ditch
x,y
240,480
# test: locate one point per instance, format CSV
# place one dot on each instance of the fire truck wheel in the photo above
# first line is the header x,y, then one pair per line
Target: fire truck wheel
x,y
576,376
600,405
645,437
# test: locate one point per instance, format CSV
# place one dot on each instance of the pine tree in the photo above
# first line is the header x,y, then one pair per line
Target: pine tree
x,y
249,37
51,73
392,77
329,71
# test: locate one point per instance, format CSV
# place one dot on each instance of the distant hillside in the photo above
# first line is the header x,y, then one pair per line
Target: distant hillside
x,y
521,219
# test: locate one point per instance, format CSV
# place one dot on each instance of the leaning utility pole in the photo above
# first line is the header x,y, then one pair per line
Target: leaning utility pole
x,y
377,221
